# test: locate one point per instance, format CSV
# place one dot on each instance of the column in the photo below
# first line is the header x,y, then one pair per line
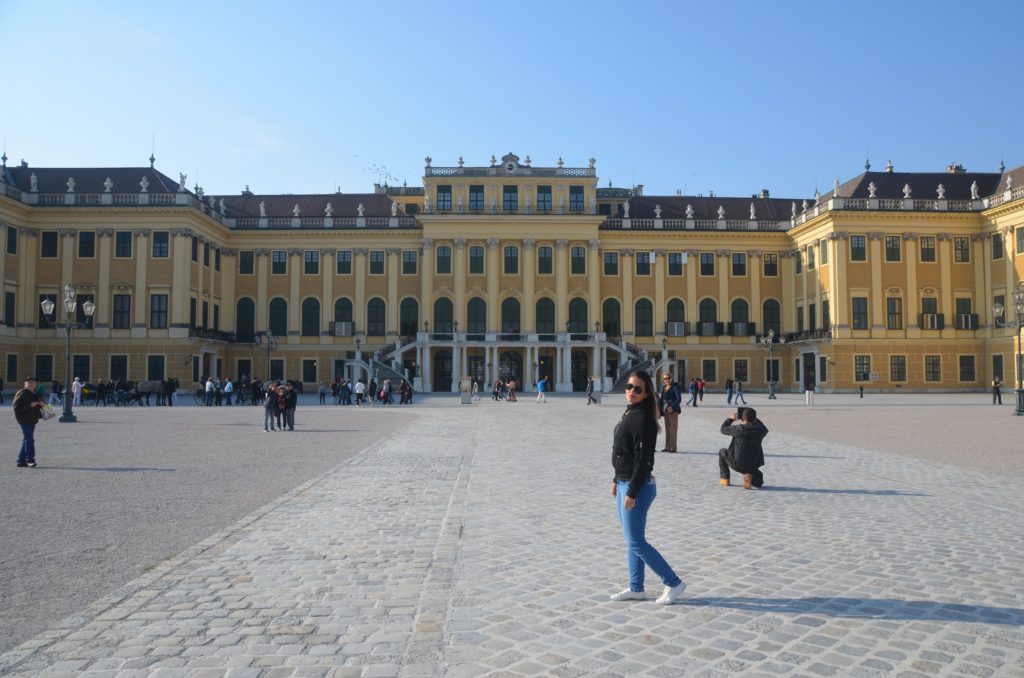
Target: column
x,y
628,269
946,282
911,296
103,301
561,284
393,264
327,294
877,293
228,269
593,281
493,271
262,302
181,281
459,270
359,303
427,283
659,293
529,281
754,269
294,298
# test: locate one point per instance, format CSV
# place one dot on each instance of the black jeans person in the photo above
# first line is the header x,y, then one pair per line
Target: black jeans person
x,y
725,462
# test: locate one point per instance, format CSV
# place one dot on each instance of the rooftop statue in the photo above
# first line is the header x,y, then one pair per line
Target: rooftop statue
x,y
263,209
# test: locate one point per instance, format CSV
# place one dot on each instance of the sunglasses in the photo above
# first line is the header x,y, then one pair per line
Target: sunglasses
x,y
635,388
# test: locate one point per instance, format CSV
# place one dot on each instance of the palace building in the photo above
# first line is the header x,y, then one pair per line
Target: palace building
x,y
507,269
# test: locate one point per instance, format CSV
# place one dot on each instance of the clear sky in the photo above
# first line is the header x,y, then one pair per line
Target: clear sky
x,y
304,97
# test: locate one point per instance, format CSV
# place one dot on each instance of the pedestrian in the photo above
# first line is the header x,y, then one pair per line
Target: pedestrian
x,y
997,393
496,392
371,391
269,410
669,401
728,391
257,391
101,394
345,391
739,392
322,392
76,392
476,392
635,490
172,391
744,454
229,391
279,411
590,390
700,389
512,390
693,393
360,389
291,401
55,393
541,387
218,392
209,391
335,392
28,411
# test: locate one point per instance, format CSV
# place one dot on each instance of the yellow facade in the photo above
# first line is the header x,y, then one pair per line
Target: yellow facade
x,y
513,270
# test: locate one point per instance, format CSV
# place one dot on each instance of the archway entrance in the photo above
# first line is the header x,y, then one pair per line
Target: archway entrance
x,y
442,371
510,366
580,370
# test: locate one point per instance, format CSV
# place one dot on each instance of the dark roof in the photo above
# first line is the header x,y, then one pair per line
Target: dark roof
x,y
1018,179
923,185
310,205
90,179
674,207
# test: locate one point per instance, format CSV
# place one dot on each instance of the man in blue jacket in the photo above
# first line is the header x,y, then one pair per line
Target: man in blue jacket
x,y
670,400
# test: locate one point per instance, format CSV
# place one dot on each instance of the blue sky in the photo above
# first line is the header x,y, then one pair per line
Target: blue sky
x,y
730,97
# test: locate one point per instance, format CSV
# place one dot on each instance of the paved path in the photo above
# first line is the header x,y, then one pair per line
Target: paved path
x,y
483,541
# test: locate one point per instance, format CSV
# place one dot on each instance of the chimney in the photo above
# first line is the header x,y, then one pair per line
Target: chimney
x,y
639,190
955,168
764,192
889,169
24,164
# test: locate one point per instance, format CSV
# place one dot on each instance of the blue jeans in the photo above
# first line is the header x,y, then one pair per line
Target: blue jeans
x,y
28,444
268,419
638,551
728,396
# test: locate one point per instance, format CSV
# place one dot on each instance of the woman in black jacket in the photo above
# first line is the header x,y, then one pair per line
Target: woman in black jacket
x,y
633,460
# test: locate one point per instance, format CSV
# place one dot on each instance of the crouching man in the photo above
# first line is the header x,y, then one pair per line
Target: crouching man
x,y
744,454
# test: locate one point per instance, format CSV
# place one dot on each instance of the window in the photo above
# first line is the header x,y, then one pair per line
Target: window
x,y
812,317
12,367
376,262
858,248
963,305
310,317
44,368
823,245
961,250
709,371
44,320
575,198
247,263
611,263
12,239
644,318
86,244
544,198
344,264
444,198
158,311
309,371
862,367
739,265
611,317
929,306
375,317
545,260
860,313
476,197
826,319
967,371
80,367
161,244
409,262
311,262
897,368
822,368
476,315
997,366
206,254
408,317
1020,239
192,312
476,260
997,253
894,313
810,257
933,368
411,209
799,318
675,263
122,317
511,260
927,249
48,244
739,369
278,262
216,260
510,316
510,198
892,248
443,257
772,312
1000,299
155,368
195,248
10,304
643,263
771,265
578,261
343,310
278,319
245,320
277,369
798,262
118,368
707,263
676,311
216,316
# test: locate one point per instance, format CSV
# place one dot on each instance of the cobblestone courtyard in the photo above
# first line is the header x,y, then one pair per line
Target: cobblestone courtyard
x,y
482,540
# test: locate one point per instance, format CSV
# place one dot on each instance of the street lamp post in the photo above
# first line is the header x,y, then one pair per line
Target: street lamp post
x,y
769,343
67,324
269,343
1017,323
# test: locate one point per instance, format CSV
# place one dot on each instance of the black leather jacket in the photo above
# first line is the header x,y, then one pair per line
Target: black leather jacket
x,y
633,447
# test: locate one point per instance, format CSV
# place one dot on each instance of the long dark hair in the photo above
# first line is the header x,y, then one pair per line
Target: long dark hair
x,y
651,401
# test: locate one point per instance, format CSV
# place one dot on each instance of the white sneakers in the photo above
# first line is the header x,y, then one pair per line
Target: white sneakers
x,y
671,593
667,597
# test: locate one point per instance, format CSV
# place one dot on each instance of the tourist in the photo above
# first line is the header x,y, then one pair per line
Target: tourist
x,y
669,401
269,410
360,389
693,393
700,389
744,454
76,392
997,393
541,387
590,391
728,391
291,401
634,488
28,411
512,390
209,391
322,392
229,390
739,392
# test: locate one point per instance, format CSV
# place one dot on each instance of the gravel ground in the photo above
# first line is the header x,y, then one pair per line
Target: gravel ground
x,y
126,488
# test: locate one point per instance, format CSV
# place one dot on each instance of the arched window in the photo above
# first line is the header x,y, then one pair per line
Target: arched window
x,y
343,310
676,311
476,316
376,317
278,317
409,317
510,316
245,320
740,311
578,316
545,316
611,318
772,316
310,317
443,315
708,311
644,321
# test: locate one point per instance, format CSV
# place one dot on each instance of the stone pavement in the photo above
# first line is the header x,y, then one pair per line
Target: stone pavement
x,y
484,542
